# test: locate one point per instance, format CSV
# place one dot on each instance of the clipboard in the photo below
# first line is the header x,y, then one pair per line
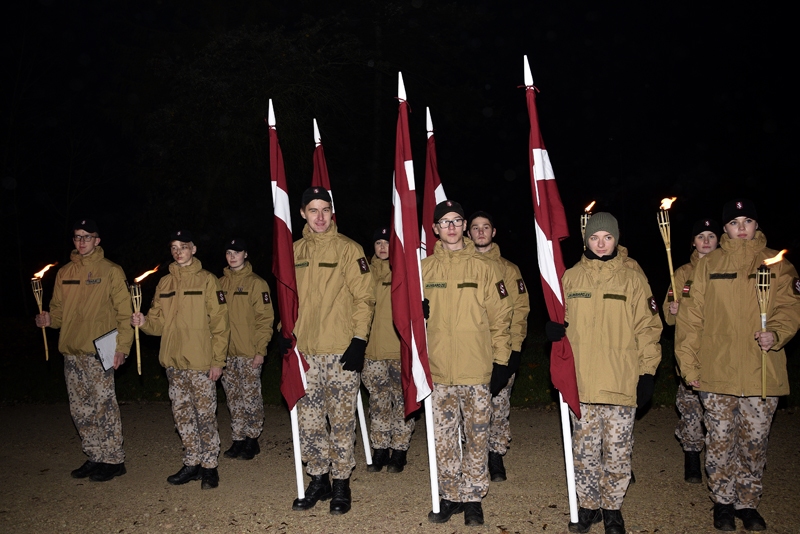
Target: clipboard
x,y
106,346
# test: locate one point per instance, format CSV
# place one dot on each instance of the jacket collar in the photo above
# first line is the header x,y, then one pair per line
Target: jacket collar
x,y
94,257
324,237
245,270
454,256
178,271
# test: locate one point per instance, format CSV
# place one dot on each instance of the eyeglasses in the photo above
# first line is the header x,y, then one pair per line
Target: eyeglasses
x,y
444,223
83,238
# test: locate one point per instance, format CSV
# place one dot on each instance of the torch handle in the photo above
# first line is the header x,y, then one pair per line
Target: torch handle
x,y
44,333
763,359
672,275
138,353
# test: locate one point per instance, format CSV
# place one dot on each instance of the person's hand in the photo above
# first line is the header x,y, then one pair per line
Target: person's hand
x,y
765,339
644,390
514,361
673,307
119,359
555,331
500,376
426,309
353,357
138,319
694,383
258,361
214,373
43,319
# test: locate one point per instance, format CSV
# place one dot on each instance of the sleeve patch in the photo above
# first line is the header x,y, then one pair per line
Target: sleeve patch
x,y
363,266
221,297
651,303
501,288
521,286
796,286
687,290
265,296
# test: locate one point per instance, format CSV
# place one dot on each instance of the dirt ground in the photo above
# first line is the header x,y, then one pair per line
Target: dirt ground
x,y
39,446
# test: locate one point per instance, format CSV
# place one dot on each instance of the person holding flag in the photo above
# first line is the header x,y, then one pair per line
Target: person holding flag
x,y
336,303
482,231
469,345
613,326
389,428
251,317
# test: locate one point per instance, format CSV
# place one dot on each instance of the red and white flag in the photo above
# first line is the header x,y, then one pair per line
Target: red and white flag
x,y
293,374
551,229
406,271
433,192
320,178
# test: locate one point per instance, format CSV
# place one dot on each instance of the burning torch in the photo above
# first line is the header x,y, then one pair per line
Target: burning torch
x,y
762,291
585,216
36,284
136,300
663,225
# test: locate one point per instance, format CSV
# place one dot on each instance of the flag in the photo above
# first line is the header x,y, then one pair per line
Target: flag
x,y
433,193
293,375
406,272
320,178
551,229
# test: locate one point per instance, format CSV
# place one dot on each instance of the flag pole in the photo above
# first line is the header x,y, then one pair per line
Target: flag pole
x,y
553,284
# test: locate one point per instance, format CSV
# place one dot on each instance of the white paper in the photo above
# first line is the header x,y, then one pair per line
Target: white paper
x,y
106,346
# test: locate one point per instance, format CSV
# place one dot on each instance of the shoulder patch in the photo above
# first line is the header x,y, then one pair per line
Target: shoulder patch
x,y
687,290
221,297
670,295
651,303
363,266
501,288
265,297
796,286
521,286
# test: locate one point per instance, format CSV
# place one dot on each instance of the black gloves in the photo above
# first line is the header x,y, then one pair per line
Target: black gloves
x,y
426,309
555,331
353,357
500,376
644,390
285,345
513,362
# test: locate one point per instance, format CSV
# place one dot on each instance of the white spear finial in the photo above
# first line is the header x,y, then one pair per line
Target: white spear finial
x,y
271,116
401,88
528,75
317,138
428,122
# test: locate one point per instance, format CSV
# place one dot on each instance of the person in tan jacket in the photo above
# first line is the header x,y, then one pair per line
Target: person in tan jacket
x,y
613,325
336,303
190,313
389,428
251,317
91,298
482,231
720,347
689,431
469,345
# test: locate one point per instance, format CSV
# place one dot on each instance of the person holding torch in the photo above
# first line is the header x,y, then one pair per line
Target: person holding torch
x,y
719,346
91,298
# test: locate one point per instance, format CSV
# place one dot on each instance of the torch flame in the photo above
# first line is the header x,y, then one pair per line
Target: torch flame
x,y
145,275
666,203
588,208
40,274
775,259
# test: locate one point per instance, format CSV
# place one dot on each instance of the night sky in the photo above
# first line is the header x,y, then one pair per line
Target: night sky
x,y
148,116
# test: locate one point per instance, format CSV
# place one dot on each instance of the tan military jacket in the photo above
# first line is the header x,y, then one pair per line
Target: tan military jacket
x,y
614,329
190,314
90,298
336,292
250,311
520,300
683,281
384,343
469,327
720,315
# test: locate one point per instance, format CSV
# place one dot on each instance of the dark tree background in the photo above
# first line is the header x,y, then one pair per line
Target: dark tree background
x,y
149,115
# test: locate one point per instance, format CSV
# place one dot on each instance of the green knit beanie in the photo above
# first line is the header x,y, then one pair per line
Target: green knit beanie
x,y
602,221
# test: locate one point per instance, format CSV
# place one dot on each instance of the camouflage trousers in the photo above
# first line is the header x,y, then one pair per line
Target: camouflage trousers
x,y
388,428
602,443
463,474
194,408
331,394
689,430
94,408
499,429
242,386
736,446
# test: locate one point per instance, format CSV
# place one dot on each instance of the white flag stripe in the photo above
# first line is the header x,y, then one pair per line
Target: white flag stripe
x,y
547,262
409,165
418,372
398,212
439,194
280,204
300,367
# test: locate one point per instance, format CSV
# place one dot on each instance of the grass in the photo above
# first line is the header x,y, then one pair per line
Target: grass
x,y
26,377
